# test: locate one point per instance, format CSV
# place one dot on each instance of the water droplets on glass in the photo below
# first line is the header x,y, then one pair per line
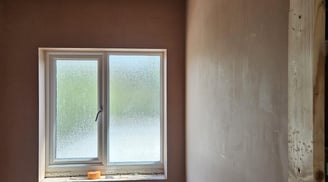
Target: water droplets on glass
x,y
135,98
76,106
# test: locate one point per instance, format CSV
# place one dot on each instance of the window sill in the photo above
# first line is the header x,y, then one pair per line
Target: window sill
x,y
107,178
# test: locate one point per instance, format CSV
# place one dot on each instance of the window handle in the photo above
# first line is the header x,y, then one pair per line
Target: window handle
x,y
98,114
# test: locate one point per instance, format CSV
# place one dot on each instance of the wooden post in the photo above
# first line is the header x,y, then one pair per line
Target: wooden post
x,y
306,63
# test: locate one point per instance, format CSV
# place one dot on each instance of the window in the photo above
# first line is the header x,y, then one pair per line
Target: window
x,y
105,109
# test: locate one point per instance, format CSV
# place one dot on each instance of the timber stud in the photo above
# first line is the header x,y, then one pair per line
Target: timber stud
x,y
319,175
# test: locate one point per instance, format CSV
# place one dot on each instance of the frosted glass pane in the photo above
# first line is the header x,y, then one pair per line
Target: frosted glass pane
x,y
134,108
77,105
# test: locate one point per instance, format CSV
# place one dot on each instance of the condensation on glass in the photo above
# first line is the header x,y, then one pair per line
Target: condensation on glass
x,y
135,108
76,104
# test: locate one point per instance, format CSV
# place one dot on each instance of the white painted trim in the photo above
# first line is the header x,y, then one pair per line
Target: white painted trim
x,y
164,110
108,178
42,115
101,50
81,170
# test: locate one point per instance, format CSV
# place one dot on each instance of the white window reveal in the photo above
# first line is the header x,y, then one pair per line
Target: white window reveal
x,y
105,109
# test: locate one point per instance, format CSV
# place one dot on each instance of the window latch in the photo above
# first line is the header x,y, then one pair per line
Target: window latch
x,y
98,113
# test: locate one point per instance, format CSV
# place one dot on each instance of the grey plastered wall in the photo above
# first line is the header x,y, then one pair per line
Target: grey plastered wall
x,y
27,25
236,82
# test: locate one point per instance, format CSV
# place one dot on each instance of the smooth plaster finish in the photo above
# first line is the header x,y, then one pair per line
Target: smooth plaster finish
x,y
236,114
81,23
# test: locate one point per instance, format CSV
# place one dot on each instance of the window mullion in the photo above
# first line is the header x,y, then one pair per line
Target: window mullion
x,y
105,101
100,109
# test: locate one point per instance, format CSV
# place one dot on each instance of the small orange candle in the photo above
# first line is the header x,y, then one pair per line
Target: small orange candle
x,y
93,174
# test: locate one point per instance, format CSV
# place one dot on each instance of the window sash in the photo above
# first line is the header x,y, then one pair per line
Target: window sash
x,y
79,166
51,127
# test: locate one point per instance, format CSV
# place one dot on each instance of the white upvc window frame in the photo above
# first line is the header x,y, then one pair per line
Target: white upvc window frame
x,y
49,166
